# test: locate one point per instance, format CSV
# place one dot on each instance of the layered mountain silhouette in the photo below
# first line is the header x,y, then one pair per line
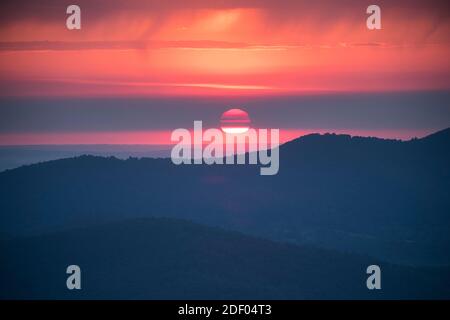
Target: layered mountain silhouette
x,y
385,199
160,258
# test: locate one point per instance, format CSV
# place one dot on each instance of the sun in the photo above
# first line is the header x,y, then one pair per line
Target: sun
x,y
235,121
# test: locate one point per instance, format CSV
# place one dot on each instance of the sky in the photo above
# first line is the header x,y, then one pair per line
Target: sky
x,y
158,61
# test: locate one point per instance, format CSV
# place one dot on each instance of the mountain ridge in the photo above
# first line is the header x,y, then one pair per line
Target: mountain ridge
x,y
162,258
441,136
387,199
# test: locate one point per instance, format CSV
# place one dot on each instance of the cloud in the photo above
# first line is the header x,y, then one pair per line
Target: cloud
x,y
225,24
322,10
115,45
199,44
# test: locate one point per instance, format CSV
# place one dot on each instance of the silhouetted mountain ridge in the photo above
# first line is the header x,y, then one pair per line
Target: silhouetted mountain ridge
x,y
175,259
385,198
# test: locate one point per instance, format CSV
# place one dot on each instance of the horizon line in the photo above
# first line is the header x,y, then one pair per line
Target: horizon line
x,y
168,145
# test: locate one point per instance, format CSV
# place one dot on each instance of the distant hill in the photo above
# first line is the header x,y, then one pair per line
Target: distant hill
x,y
175,259
384,198
12,157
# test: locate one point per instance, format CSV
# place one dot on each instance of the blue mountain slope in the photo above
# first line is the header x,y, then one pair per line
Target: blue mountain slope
x,y
384,198
175,259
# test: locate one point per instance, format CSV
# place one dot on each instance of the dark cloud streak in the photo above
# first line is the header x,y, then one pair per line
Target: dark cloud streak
x,y
325,11
419,110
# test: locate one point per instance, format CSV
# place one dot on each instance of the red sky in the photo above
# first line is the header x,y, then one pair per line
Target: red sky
x,y
163,137
202,47
206,48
